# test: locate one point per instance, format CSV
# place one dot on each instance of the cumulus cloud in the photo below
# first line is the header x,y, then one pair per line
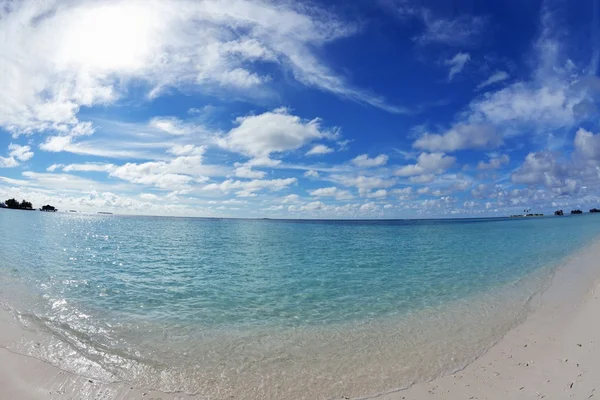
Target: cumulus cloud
x,y
364,184
319,149
273,132
245,188
188,149
311,173
245,172
427,165
461,137
457,64
364,161
21,153
378,194
16,153
290,198
332,192
562,173
8,162
526,105
494,162
587,144
175,174
56,144
539,168
403,193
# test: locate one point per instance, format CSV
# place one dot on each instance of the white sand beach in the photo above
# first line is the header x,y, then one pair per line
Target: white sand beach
x,y
554,354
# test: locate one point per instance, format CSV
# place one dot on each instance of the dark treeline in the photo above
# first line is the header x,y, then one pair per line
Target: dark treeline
x,y
23,205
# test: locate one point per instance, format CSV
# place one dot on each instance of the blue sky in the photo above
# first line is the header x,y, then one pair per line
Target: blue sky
x,y
375,109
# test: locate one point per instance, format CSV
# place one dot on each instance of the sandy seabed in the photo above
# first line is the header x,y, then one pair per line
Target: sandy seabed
x,y
554,354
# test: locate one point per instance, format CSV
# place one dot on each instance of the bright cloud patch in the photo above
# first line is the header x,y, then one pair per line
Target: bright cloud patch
x,y
460,137
274,132
364,161
427,164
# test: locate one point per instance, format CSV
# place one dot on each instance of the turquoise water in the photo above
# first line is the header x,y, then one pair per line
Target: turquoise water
x,y
216,307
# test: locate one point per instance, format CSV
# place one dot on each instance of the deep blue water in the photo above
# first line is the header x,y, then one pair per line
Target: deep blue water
x,y
184,279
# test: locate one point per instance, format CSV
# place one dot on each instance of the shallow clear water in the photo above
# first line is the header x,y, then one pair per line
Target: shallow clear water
x,y
265,308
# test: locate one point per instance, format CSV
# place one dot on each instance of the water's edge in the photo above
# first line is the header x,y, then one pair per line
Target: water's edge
x,y
532,305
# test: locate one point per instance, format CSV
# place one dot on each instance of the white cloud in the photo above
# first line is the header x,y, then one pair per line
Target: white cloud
x,y
54,167
562,175
461,137
526,104
87,167
8,162
364,184
21,153
364,161
183,150
263,162
16,153
403,193
245,188
378,194
245,172
175,174
587,144
56,143
539,168
290,198
100,148
171,125
273,132
462,30
496,77
64,56
319,149
332,192
311,173
313,206
275,208
368,208
149,196
142,174
457,64
494,162
427,165
425,178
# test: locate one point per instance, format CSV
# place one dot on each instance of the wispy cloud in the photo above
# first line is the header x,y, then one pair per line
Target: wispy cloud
x,y
451,30
457,64
64,56
496,77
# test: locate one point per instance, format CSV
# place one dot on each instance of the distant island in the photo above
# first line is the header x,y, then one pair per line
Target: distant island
x,y
14,204
526,213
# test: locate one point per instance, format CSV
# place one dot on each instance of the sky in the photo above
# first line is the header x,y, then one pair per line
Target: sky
x,y
292,109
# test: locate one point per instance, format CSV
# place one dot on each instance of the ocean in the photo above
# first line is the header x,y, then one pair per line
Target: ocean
x,y
271,309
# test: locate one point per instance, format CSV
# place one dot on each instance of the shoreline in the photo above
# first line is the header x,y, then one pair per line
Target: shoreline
x,y
553,354
527,362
